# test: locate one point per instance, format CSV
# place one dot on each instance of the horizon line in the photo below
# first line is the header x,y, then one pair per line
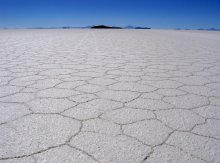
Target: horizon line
x,y
122,27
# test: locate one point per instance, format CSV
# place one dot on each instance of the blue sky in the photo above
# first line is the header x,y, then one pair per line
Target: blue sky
x,y
152,13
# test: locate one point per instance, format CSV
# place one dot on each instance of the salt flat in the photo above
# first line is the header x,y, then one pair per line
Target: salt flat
x,y
119,96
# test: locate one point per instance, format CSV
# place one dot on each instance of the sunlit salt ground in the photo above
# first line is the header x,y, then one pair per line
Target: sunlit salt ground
x,y
109,96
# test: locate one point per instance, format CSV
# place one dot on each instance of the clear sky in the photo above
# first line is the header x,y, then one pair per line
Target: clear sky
x,y
152,13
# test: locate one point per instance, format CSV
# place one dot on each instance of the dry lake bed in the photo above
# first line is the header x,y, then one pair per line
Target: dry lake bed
x,y
109,96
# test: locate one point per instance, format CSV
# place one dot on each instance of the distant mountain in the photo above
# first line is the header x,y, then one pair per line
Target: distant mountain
x,y
132,27
129,27
142,28
92,27
213,29
116,27
113,27
66,27
105,27
208,29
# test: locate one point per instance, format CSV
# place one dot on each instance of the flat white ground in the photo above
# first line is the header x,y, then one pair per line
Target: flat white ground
x,y
109,96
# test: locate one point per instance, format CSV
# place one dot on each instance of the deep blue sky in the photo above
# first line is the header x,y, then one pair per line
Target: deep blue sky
x,y
153,13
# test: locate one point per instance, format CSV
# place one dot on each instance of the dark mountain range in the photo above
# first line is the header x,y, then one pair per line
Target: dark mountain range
x,y
129,27
89,27
105,27
132,27
114,27
142,28
209,29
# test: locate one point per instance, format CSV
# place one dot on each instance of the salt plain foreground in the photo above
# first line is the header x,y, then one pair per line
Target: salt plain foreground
x,y
119,96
